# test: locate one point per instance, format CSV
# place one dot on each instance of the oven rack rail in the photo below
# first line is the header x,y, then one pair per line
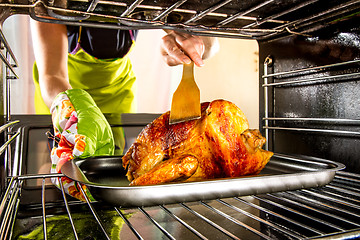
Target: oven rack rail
x,y
10,62
249,21
335,126
9,74
317,213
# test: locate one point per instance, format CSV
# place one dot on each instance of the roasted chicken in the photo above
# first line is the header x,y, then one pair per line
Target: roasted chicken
x,y
218,145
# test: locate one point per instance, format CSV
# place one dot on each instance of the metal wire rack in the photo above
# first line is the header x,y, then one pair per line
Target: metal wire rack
x,y
332,126
318,213
228,18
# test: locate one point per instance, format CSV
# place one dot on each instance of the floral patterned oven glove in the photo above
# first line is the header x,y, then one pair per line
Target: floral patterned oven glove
x,y
82,131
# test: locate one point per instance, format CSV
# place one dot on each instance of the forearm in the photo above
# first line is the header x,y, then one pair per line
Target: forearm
x,y
51,86
50,50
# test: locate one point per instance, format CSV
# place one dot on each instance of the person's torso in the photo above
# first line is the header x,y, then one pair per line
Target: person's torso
x,y
100,42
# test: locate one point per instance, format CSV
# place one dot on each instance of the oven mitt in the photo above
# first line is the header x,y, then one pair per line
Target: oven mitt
x,y
81,131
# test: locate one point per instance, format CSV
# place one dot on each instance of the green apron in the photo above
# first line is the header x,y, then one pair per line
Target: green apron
x,y
110,82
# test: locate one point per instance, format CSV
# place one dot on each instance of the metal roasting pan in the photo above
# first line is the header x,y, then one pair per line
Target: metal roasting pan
x,y
106,180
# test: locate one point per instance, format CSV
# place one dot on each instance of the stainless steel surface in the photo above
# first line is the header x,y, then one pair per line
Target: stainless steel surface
x,y
107,182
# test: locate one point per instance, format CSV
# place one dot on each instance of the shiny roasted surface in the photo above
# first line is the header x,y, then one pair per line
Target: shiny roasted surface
x,y
217,145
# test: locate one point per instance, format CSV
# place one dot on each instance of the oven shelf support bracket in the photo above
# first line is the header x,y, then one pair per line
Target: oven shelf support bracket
x,y
268,63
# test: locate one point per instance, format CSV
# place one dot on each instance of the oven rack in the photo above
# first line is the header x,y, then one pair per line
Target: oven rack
x,y
332,211
307,76
8,73
9,60
261,20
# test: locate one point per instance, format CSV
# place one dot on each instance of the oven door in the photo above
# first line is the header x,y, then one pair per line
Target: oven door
x,y
34,209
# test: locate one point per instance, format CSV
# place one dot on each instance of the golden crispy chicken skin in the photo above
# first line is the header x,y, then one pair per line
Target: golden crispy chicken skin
x,y
219,144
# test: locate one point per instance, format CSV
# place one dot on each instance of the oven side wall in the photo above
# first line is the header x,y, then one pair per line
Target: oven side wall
x,y
3,15
322,104
2,135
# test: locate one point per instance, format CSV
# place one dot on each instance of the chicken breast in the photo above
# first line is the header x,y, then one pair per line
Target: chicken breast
x,y
218,145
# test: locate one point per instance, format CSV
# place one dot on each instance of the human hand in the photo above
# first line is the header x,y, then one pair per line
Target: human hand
x,y
179,48
82,131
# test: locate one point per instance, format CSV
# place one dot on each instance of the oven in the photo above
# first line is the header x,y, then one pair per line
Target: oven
x,y
309,55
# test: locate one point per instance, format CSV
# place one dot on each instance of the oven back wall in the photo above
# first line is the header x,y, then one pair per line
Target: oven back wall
x,y
328,105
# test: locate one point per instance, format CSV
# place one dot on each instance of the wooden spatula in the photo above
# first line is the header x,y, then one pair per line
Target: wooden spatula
x,y
185,103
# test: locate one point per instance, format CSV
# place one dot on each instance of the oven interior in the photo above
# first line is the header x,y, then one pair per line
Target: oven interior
x,y
309,105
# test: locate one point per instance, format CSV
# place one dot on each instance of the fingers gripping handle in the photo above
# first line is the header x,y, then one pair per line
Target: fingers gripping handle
x,y
83,132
